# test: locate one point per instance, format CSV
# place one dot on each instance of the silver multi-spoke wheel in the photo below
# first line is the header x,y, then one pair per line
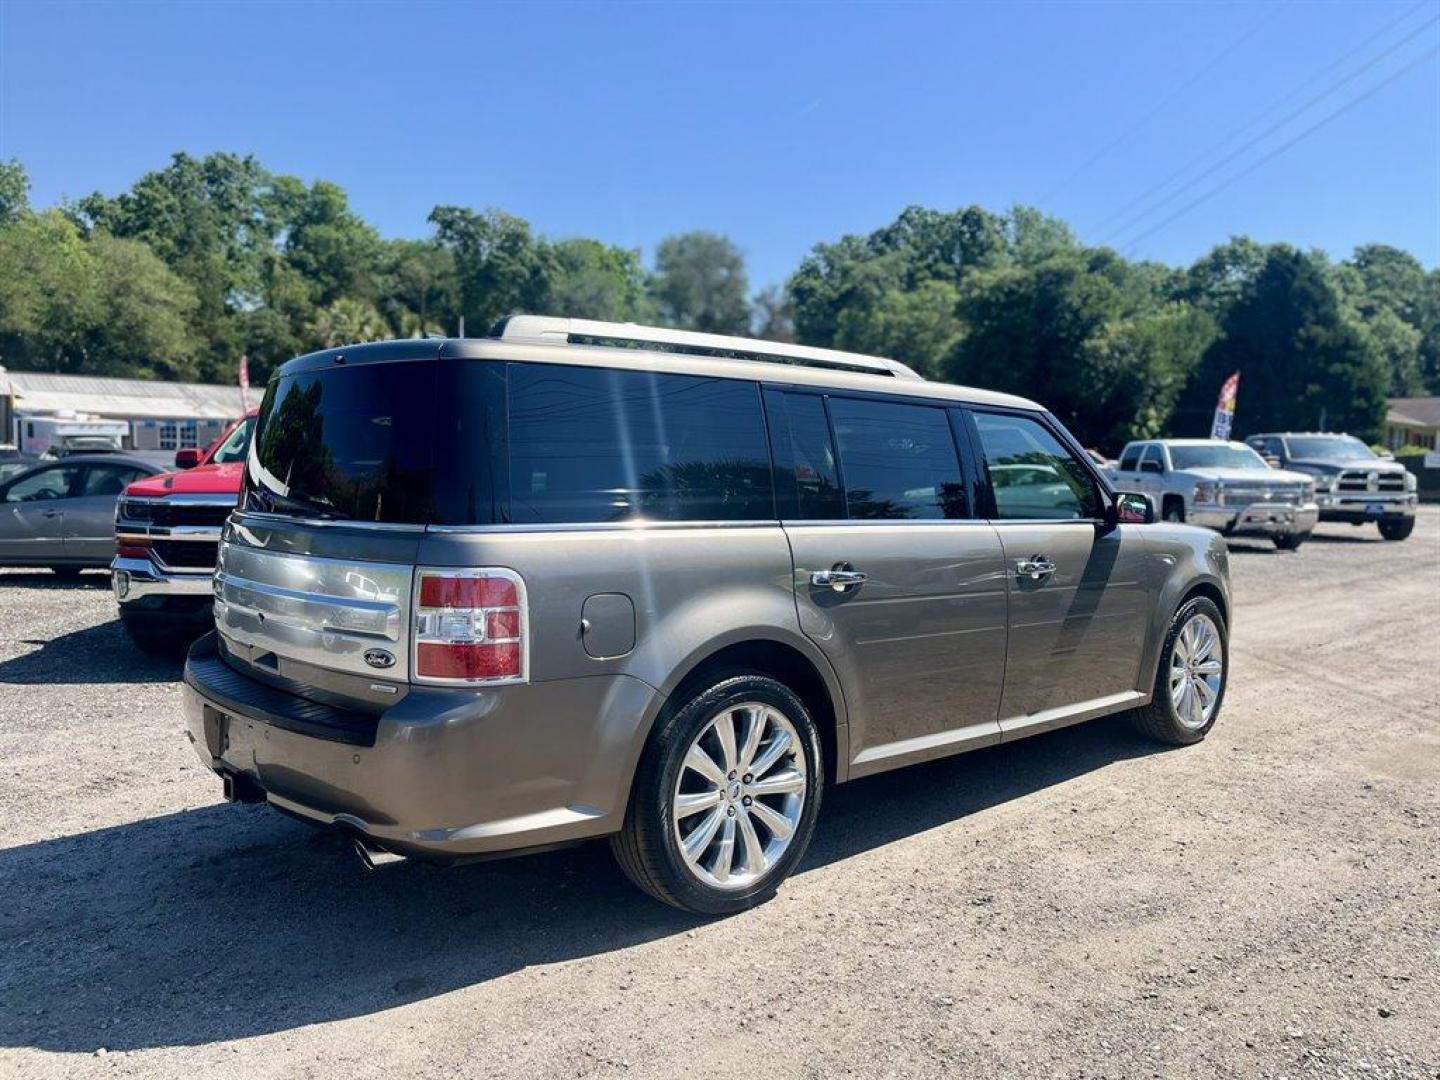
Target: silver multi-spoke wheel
x,y
739,795
1197,671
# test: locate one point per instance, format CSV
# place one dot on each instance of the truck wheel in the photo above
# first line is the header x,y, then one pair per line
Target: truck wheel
x,y
164,642
67,573
1174,510
725,798
1190,682
1398,529
1290,541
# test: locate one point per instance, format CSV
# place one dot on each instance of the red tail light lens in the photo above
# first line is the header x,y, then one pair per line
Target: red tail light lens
x,y
470,627
132,548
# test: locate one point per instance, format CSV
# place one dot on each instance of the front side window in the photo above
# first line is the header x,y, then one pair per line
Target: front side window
x,y
109,479
806,459
897,460
1130,459
1031,473
47,484
602,444
236,444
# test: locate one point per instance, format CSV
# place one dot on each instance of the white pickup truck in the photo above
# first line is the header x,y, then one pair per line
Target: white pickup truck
x,y
1225,486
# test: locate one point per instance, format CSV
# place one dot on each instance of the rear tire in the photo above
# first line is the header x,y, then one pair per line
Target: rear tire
x,y
67,573
744,857
1398,529
163,642
1172,717
1290,541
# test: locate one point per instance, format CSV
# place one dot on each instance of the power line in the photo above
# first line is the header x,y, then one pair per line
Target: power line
x,y
1205,69
1255,140
1352,103
1279,103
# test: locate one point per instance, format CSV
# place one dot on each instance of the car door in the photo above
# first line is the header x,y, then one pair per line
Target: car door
x,y
89,520
1079,595
895,579
32,515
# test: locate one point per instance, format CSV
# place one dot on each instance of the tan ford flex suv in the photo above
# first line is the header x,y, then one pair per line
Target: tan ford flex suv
x,y
582,579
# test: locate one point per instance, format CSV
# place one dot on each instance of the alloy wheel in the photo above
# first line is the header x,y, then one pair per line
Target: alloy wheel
x,y
1197,671
739,796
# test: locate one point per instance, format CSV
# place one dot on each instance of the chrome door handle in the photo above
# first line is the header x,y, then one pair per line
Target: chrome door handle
x,y
839,577
1035,567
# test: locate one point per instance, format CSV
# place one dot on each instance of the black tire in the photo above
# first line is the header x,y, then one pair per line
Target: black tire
x,y
647,848
1290,541
1159,720
66,573
161,641
1398,529
1174,510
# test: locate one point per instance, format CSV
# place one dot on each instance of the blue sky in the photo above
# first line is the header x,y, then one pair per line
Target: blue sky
x,y
779,125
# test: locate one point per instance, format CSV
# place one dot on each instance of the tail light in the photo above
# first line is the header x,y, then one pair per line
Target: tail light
x,y
470,627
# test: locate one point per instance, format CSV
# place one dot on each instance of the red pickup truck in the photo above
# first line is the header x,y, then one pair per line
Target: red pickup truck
x,y
167,533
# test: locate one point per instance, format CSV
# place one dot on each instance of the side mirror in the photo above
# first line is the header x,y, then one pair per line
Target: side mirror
x,y
187,458
1133,509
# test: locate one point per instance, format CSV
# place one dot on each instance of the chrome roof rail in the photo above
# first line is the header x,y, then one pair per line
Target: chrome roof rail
x,y
548,330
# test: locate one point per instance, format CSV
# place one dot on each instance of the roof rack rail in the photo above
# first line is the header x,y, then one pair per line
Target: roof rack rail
x,y
548,330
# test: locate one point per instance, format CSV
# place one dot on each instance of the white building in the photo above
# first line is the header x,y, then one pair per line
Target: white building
x,y
160,415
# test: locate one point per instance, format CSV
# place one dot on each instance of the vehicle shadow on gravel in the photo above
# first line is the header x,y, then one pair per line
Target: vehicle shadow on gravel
x,y
228,922
44,579
97,654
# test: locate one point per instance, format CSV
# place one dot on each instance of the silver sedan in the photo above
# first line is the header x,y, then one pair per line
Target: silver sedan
x,y
61,514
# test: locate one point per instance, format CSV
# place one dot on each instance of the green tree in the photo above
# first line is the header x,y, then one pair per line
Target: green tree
x,y
700,284
918,327
419,291
500,267
591,280
1301,359
14,191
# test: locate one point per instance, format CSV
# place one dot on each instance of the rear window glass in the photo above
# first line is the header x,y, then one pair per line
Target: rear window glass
x,y
408,442
599,444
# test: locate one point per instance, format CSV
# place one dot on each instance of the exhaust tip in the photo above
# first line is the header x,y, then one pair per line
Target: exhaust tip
x,y
374,857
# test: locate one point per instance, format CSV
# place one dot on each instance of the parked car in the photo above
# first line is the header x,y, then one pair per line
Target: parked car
x,y
1221,485
61,514
13,462
167,528
583,579
1352,483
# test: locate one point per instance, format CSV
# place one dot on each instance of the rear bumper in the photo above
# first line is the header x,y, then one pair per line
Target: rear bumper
x,y
443,773
1268,519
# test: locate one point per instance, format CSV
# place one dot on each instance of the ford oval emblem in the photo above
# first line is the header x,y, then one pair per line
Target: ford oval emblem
x,y
379,658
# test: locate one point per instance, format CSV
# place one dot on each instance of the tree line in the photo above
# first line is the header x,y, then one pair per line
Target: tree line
x,y
209,259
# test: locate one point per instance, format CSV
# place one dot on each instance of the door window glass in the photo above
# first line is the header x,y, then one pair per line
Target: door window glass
x,y
46,484
1032,474
1130,459
109,479
598,444
809,459
1152,460
898,460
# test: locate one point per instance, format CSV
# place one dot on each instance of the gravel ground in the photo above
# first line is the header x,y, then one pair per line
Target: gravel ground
x,y
1079,904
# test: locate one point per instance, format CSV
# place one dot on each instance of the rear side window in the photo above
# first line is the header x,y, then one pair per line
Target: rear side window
x,y
805,458
599,444
1032,475
897,460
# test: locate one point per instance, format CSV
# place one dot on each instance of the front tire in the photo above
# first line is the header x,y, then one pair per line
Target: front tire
x,y
725,799
1398,529
1290,541
1190,683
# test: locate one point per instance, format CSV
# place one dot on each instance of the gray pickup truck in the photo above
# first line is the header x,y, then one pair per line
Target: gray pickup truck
x,y
1352,484
1225,486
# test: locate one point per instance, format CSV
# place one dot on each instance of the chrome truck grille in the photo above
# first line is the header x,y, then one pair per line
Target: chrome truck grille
x,y
1246,494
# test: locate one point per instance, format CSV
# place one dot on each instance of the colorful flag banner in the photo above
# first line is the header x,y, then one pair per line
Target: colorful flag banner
x,y
1225,408
244,385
